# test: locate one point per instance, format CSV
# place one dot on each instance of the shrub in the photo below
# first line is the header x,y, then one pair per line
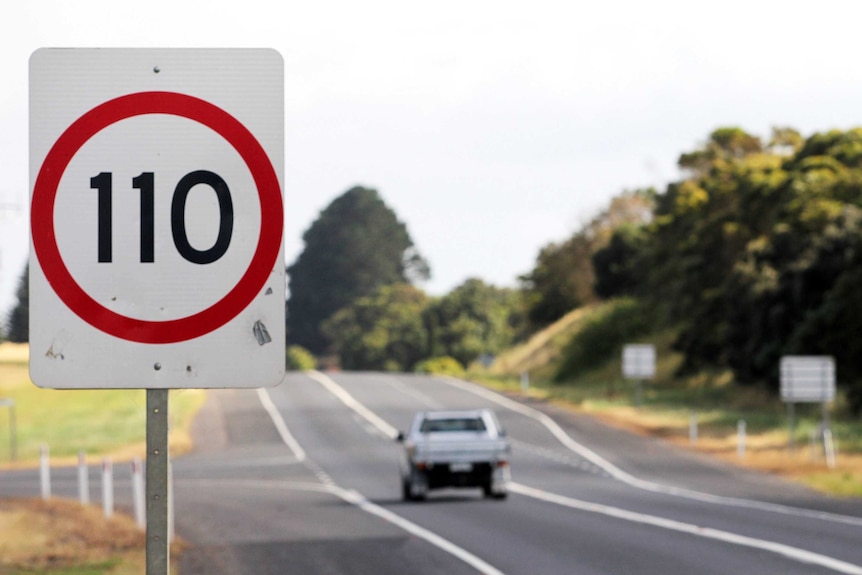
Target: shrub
x,y
440,366
298,358
603,335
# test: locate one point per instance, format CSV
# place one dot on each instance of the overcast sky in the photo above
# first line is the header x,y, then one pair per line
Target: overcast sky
x,y
491,128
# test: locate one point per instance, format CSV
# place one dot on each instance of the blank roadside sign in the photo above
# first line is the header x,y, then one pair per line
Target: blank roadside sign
x,y
157,217
807,378
638,361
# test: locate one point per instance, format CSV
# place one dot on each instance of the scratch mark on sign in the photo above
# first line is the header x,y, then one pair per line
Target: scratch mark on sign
x,y
260,333
57,346
53,354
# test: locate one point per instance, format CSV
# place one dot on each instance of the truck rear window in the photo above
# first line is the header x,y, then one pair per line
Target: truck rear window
x,y
459,424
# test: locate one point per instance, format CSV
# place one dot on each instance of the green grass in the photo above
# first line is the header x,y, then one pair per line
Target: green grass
x,y
101,568
98,422
668,402
718,404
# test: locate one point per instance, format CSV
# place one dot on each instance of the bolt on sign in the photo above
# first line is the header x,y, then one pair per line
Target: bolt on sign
x,y
156,256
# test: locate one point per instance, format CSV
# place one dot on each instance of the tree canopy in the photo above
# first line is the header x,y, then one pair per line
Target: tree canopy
x,y
381,331
398,327
565,276
472,319
753,254
356,245
18,322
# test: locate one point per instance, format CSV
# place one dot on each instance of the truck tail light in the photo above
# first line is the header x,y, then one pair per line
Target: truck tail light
x,y
502,463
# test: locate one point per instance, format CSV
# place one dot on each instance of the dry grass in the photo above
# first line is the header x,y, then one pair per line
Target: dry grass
x,y
56,535
766,451
61,537
542,349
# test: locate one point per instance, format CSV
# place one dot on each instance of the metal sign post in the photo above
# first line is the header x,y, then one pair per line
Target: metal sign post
x,y
158,542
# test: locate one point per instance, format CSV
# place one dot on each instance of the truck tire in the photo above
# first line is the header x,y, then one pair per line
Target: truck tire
x,y
407,492
489,493
486,489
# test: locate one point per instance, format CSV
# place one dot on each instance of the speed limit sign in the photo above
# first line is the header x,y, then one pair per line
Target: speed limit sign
x,y
156,182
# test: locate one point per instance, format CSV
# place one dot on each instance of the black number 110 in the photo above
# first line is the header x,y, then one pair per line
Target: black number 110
x,y
146,184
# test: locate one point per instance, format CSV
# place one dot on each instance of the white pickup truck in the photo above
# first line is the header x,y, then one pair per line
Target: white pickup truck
x,y
465,448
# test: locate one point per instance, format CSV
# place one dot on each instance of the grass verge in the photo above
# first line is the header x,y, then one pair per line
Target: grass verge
x,y
102,423
60,537
669,403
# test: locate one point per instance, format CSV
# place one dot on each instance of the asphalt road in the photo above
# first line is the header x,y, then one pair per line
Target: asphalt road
x,y
303,478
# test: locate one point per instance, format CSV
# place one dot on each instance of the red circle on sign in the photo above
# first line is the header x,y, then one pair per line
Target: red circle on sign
x,y
45,242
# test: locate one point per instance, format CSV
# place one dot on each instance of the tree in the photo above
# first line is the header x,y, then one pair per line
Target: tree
x,y
833,329
561,281
355,246
750,254
472,319
564,277
617,264
18,322
724,145
699,234
381,331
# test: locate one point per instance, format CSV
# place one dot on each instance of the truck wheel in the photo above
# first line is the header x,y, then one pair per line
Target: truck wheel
x,y
489,493
486,489
407,492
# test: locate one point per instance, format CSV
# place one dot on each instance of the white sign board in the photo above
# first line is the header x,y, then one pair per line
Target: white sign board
x,y
807,379
156,180
638,361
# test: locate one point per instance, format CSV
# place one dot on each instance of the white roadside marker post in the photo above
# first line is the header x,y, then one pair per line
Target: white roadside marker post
x,y
83,479
107,487
692,428
44,472
138,496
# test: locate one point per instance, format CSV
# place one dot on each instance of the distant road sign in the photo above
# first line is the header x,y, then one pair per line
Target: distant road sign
x,y
638,361
156,218
807,379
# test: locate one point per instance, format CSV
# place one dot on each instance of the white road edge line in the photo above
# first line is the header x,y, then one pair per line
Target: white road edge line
x,y
354,497
793,553
353,404
283,431
633,481
360,501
